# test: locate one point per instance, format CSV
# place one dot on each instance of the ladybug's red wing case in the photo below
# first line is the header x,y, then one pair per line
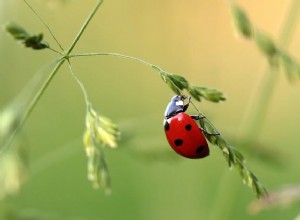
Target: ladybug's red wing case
x,y
185,136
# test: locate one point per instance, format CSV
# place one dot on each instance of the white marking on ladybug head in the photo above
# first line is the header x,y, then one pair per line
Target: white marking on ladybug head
x,y
180,103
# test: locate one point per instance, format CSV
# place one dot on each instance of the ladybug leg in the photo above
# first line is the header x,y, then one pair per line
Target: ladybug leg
x,y
208,133
199,118
185,107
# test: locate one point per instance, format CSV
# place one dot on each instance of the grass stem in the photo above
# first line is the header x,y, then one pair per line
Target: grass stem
x,y
119,56
46,25
32,105
256,118
45,85
84,26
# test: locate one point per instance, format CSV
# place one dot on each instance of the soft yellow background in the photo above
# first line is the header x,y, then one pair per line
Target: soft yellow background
x,y
194,38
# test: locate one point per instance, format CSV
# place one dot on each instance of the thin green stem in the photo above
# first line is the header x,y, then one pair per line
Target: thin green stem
x,y
222,206
255,120
105,54
83,89
265,92
157,68
84,27
32,105
45,24
42,89
289,24
259,109
39,94
49,48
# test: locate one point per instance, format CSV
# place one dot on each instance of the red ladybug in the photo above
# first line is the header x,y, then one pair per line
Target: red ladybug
x,y
182,132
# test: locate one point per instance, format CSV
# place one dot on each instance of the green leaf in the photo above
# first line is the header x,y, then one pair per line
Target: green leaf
x,y
241,21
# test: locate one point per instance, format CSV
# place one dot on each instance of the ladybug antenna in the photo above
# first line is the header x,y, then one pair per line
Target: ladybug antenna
x,y
184,96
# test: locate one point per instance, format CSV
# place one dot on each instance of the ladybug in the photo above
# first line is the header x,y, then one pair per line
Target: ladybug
x,y
182,132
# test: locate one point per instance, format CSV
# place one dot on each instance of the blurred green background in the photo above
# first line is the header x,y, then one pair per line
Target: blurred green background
x,y
194,38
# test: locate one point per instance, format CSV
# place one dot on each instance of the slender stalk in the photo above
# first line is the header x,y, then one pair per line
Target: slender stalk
x,y
45,24
222,205
119,56
42,89
84,27
38,95
289,24
49,48
265,92
255,120
32,105
259,109
83,89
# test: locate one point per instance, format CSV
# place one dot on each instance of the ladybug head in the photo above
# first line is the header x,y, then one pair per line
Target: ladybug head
x,y
175,106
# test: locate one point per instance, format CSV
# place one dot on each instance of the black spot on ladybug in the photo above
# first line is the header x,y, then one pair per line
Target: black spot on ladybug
x,y
178,142
188,127
166,126
199,149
